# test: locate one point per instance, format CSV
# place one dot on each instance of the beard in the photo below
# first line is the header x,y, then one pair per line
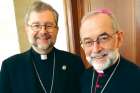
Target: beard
x,y
102,64
44,46
42,43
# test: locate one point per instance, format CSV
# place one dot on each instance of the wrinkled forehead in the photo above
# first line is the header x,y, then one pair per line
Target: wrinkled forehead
x,y
95,25
41,17
98,18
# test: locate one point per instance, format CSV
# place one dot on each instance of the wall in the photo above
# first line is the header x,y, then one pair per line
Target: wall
x,y
8,33
137,25
20,9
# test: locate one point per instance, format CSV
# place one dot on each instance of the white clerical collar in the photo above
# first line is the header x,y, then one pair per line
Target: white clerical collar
x,y
43,57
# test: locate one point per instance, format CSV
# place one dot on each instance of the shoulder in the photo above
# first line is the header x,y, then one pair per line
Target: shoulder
x,y
67,56
129,64
129,67
129,73
73,60
65,53
16,59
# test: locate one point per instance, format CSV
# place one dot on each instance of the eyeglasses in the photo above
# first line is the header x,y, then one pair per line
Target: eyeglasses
x,y
38,27
101,39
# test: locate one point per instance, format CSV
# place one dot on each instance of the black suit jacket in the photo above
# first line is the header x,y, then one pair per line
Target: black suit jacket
x,y
125,80
18,75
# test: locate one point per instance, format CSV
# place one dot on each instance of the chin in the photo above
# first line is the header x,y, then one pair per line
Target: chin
x,y
43,47
101,65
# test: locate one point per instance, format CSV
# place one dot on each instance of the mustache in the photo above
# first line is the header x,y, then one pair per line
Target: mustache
x,y
44,36
101,53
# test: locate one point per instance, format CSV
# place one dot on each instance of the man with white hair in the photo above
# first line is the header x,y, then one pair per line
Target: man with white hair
x,y
101,39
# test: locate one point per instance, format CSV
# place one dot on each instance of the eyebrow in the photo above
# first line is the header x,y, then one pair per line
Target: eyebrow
x,y
102,34
87,38
49,23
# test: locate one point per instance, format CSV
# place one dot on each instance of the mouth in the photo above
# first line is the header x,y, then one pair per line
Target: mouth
x,y
100,56
43,38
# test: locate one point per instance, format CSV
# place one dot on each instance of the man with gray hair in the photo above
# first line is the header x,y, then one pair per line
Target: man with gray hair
x,y
101,39
43,68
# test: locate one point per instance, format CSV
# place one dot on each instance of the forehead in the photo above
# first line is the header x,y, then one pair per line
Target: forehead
x,y
95,25
41,17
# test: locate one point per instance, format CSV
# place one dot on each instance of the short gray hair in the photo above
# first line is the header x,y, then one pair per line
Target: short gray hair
x,y
39,6
115,23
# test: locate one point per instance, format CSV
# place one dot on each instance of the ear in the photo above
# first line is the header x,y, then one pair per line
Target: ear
x,y
120,38
81,44
57,28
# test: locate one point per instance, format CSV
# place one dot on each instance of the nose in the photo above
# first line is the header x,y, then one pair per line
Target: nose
x,y
96,47
43,29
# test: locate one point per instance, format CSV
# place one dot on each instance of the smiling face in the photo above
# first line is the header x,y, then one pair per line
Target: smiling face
x,y
42,31
100,41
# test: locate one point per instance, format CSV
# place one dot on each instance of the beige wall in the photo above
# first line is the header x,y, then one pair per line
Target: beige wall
x,y
20,8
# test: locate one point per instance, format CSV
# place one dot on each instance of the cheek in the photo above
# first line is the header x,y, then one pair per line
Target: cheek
x,y
110,45
54,35
88,51
115,44
33,34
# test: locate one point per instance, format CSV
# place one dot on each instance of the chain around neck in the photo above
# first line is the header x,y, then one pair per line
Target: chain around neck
x,y
38,76
113,72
